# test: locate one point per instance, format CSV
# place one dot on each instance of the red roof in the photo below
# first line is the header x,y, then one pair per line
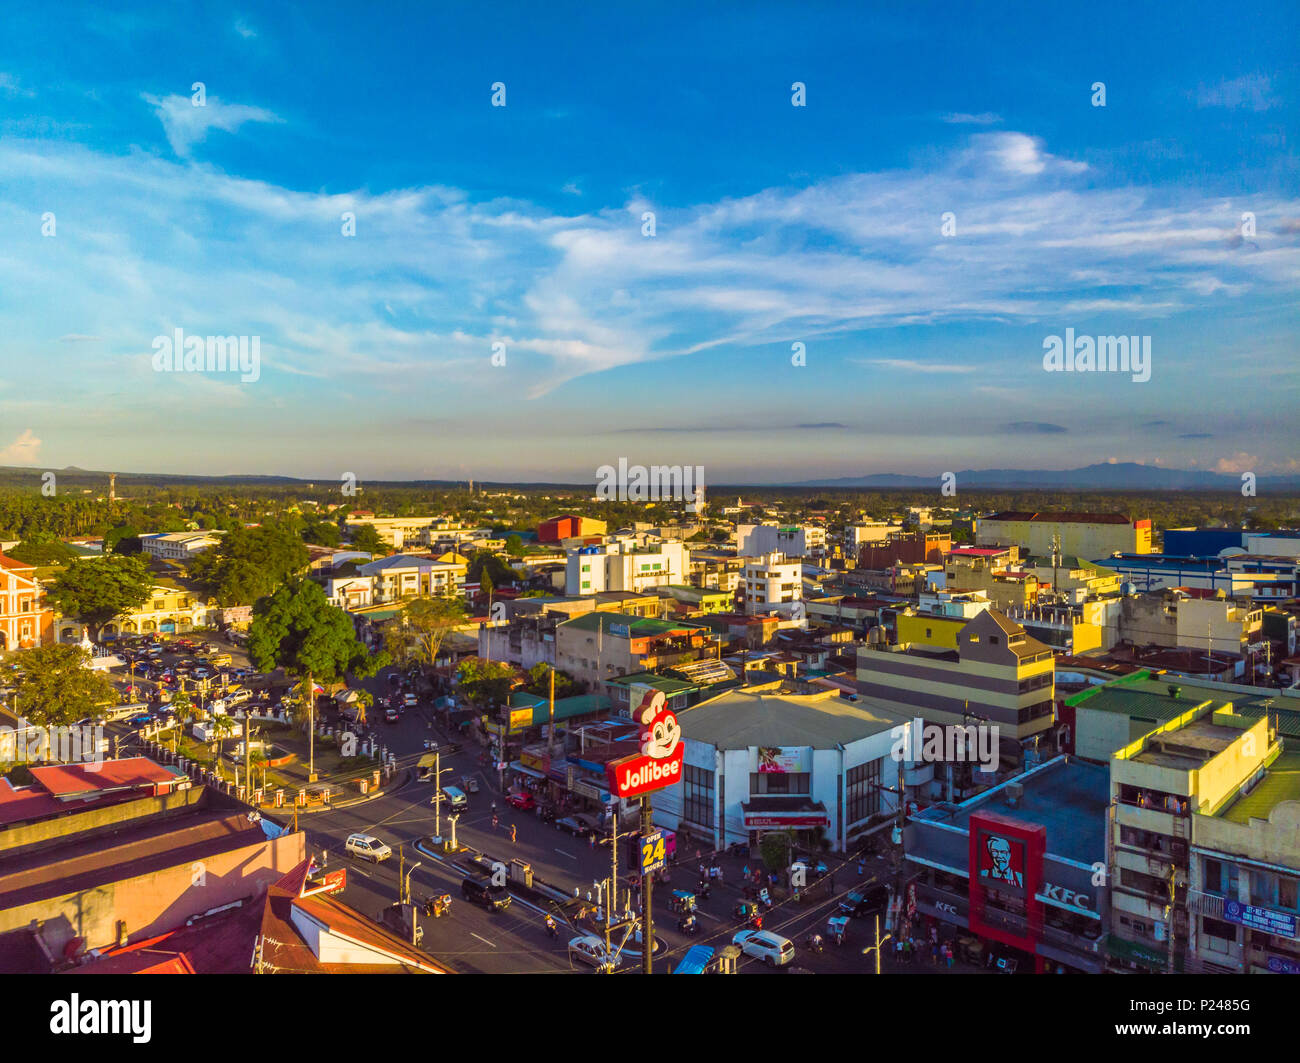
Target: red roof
x,y
978,551
69,780
13,563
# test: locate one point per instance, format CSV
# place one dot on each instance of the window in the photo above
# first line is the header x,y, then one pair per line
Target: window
x,y
1219,929
1286,892
697,796
863,791
993,640
779,783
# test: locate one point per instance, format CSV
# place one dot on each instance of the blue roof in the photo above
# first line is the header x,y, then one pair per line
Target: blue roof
x,y
696,959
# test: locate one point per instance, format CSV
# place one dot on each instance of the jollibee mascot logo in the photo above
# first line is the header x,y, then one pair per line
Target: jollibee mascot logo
x,y
660,731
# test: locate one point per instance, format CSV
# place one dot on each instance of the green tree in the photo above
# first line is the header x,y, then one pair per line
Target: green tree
x,y
219,726
186,711
364,537
321,533
485,563
98,591
486,683
515,546
775,850
418,631
55,685
298,630
124,539
250,563
42,549
539,682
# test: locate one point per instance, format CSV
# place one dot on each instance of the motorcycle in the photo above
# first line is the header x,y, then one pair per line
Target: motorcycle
x,y
688,924
438,906
814,942
552,929
703,889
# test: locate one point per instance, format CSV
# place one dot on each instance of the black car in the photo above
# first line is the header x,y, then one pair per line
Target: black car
x,y
480,890
863,903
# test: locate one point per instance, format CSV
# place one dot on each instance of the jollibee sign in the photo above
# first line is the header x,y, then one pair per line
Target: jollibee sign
x,y
659,763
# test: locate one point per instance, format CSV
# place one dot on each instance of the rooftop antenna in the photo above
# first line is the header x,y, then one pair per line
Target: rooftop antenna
x,y
1056,561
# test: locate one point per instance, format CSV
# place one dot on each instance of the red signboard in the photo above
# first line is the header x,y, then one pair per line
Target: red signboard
x,y
1006,857
659,763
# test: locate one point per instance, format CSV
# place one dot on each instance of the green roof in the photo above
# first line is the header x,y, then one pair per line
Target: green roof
x,y
665,683
638,626
1281,782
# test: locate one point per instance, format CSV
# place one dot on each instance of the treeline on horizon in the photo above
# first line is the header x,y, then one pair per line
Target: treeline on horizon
x,y
80,506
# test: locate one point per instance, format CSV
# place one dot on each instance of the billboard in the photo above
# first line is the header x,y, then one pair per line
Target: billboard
x,y
782,760
659,763
1006,857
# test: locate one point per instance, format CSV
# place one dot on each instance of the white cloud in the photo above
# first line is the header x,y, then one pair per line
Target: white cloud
x,y
983,118
1023,155
187,125
22,451
11,86
244,29
910,366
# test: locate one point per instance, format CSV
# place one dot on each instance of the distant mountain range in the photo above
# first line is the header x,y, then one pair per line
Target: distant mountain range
x,y
1121,476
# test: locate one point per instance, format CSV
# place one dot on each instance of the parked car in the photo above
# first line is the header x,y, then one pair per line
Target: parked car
x,y
579,826
391,716
591,950
479,889
520,799
772,949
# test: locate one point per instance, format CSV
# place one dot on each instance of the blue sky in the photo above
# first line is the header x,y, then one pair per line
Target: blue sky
x,y
522,225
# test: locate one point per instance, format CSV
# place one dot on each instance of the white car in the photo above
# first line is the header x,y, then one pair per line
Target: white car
x,y
411,701
591,950
772,949
367,847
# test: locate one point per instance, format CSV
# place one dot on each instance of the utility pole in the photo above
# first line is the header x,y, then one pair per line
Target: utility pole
x,y
647,883
437,796
1173,897
879,942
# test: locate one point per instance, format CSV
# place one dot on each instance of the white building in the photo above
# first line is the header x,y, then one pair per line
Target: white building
x,y
771,582
622,566
407,576
856,536
179,546
765,759
756,540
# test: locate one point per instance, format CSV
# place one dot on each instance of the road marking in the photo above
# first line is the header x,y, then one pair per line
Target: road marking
x,y
482,939
563,853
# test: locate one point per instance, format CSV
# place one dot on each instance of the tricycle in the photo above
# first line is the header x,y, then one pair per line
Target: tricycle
x,y
438,906
745,910
837,928
470,784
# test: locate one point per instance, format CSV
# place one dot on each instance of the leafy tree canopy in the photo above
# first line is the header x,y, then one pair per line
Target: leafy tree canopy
x,y
55,685
298,630
101,590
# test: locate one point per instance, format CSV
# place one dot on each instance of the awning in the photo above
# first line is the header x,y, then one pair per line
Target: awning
x,y
516,766
768,812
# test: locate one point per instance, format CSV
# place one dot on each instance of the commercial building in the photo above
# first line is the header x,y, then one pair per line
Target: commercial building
x,y
1154,572
914,548
996,673
758,540
771,583
620,566
856,536
1017,867
99,856
601,646
170,608
409,575
1084,534
569,526
768,758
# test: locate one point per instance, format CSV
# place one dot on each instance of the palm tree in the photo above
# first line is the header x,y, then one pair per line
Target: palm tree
x,y
365,700
257,759
185,712
222,727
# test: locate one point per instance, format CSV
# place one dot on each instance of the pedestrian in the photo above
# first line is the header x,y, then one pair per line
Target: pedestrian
x,y
862,869
514,833
592,839
719,876
745,872
495,820
934,953
948,948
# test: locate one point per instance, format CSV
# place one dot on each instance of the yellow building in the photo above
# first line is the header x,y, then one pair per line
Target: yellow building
x,y
1087,535
169,609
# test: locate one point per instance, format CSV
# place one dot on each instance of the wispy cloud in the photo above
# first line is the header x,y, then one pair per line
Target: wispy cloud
x,y
244,29
983,118
11,86
186,124
911,366
1038,428
1251,92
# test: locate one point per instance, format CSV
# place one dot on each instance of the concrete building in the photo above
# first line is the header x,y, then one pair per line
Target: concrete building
x,y
25,619
1016,867
996,673
759,540
768,758
1085,534
772,584
1155,572
856,536
179,546
1196,762
600,646
569,526
408,575
170,609
620,566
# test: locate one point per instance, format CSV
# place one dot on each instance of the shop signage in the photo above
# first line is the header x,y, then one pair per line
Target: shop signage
x,y
1279,965
1061,895
520,719
1264,919
653,855
659,764
754,820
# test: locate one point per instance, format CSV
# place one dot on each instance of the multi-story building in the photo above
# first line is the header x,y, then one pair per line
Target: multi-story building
x,y
715,570
1191,619
25,620
598,646
1086,534
856,536
169,609
179,546
621,566
771,583
1196,762
408,575
996,673
759,540
569,526
1236,577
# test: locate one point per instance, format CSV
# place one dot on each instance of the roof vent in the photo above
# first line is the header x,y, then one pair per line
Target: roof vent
x,y
1015,792
1174,691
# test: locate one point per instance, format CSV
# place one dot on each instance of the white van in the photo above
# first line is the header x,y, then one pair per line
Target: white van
x,y
367,848
772,949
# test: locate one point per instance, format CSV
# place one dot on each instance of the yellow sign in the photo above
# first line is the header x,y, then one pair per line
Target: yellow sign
x,y
520,719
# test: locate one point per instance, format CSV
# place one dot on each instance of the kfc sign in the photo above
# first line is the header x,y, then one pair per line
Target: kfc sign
x,y
659,763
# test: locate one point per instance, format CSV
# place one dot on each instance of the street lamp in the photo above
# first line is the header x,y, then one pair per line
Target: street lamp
x,y
436,801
